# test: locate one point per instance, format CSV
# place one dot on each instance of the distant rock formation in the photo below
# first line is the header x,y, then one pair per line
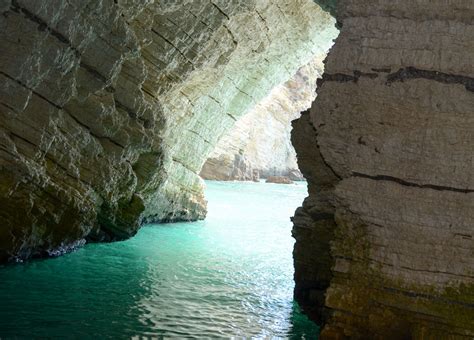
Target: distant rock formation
x,y
296,175
278,180
259,143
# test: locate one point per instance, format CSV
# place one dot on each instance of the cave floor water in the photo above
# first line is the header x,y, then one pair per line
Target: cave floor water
x,y
228,276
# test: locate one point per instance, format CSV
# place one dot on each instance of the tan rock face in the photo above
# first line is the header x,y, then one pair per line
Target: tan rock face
x,y
279,180
385,240
258,145
108,109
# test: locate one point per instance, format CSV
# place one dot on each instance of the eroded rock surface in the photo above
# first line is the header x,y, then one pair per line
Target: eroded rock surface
x,y
385,240
258,145
108,109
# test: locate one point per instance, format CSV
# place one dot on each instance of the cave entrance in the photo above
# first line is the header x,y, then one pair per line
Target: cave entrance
x,y
258,146
166,97
253,187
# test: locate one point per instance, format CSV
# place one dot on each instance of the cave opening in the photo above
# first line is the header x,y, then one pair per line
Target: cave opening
x,y
110,108
121,145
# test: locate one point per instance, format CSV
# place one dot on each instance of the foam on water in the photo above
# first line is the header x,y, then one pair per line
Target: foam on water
x,y
230,275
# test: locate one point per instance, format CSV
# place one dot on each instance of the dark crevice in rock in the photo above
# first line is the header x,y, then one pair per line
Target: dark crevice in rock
x,y
234,40
182,164
9,107
232,117
428,297
43,25
132,114
263,20
197,134
66,171
22,138
411,184
409,73
220,10
94,72
173,45
240,90
363,260
328,166
30,89
92,133
382,70
343,78
401,75
322,216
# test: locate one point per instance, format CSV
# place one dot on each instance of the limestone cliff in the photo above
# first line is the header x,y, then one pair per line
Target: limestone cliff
x,y
385,240
108,109
258,145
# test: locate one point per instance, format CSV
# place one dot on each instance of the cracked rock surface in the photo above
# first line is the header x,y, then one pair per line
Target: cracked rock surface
x,y
385,240
108,109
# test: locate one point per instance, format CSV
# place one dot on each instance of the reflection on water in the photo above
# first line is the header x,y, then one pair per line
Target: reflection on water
x,y
230,275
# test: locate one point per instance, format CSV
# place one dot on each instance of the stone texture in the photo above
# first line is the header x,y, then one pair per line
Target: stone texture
x,y
279,180
258,145
384,242
108,109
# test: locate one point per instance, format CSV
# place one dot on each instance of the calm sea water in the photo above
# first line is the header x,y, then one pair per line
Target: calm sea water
x,y
228,276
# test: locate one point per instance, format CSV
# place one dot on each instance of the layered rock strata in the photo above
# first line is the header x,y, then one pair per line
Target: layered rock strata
x,y
258,145
108,109
385,240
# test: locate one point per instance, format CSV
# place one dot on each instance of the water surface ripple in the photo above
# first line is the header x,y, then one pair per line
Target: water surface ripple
x,y
228,276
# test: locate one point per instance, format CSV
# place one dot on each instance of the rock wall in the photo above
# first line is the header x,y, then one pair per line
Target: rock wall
x,y
108,108
385,240
258,145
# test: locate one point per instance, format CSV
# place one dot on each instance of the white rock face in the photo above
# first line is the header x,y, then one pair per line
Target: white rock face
x,y
259,143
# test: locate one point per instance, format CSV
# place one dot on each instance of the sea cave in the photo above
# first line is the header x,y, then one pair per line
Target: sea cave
x,y
152,153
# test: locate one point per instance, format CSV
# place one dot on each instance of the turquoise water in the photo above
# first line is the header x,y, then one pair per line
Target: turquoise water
x,y
230,275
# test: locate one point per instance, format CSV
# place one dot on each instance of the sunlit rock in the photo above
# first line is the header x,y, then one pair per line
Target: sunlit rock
x,y
258,145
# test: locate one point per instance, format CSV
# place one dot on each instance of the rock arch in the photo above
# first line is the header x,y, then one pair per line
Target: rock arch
x,y
109,108
105,122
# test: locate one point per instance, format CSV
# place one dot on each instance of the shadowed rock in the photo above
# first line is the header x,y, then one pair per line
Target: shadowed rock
x,y
384,242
